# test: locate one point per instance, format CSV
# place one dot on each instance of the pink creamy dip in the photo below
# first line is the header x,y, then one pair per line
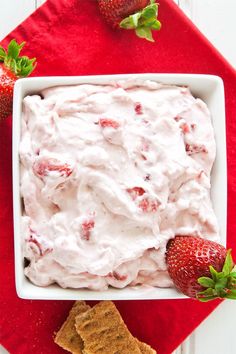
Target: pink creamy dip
x,y
110,173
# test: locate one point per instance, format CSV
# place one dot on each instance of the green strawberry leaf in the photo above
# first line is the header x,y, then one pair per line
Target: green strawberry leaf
x,y
206,295
25,66
13,65
134,19
221,283
156,25
25,71
144,32
20,66
228,264
131,22
221,275
14,49
231,294
207,292
214,273
206,299
2,53
143,21
234,268
206,282
153,2
232,280
149,12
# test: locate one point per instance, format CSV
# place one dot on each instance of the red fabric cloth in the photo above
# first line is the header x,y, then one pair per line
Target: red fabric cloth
x,y
69,37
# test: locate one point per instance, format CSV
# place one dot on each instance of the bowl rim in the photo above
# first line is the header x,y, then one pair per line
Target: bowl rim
x,y
25,289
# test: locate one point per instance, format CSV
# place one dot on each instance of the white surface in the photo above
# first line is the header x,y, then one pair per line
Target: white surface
x,y
13,12
216,19
209,88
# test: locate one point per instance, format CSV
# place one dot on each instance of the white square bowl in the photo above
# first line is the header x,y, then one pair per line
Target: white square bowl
x,y
207,87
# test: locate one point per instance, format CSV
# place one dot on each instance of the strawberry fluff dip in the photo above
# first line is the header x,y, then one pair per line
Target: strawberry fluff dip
x,y
109,174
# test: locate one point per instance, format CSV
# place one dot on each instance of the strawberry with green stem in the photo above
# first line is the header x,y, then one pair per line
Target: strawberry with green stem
x,y
200,268
137,15
12,67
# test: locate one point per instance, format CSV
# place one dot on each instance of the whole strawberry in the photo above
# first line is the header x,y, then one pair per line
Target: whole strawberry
x,y
138,15
12,67
201,268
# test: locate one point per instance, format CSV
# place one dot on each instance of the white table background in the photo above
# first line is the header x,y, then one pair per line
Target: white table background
x,y
216,19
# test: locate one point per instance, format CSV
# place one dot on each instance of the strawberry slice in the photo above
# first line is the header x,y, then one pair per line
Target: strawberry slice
x,y
146,204
117,276
38,245
33,240
44,166
138,108
135,192
185,128
12,67
195,149
177,118
149,206
108,123
86,227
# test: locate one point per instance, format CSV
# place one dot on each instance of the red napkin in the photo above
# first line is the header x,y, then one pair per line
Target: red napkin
x,y
69,37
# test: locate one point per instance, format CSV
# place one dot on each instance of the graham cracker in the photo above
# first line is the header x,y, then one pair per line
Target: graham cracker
x,y
104,332
67,337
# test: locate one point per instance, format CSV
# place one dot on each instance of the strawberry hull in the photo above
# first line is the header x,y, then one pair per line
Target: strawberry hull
x,y
12,66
